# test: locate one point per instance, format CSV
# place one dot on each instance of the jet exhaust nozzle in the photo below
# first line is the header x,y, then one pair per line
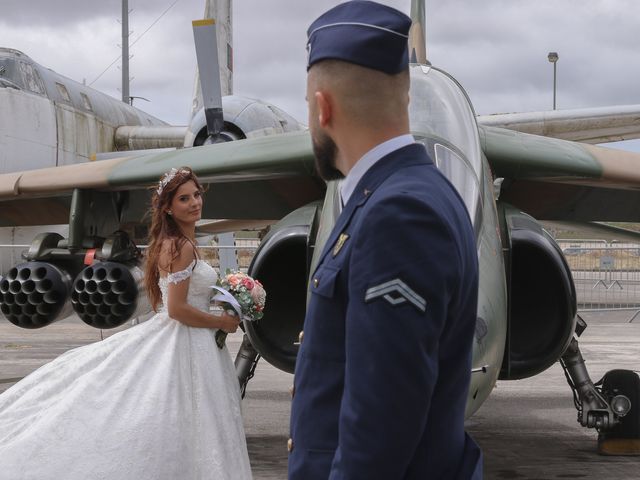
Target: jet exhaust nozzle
x,y
107,294
35,294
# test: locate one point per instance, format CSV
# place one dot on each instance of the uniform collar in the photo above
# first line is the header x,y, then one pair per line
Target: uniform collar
x,y
412,154
368,160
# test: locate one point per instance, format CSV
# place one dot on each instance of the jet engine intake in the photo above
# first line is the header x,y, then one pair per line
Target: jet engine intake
x,y
542,298
107,294
281,263
35,294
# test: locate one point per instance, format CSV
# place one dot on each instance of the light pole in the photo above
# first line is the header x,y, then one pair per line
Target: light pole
x,y
125,51
553,58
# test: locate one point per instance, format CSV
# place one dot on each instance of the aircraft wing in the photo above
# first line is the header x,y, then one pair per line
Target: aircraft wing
x,y
553,179
258,179
265,178
589,125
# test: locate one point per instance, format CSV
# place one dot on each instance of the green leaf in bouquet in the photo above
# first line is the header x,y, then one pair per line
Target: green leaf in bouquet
x,y
221,337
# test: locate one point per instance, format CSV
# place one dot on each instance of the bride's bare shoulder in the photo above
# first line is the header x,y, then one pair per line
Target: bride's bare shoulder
x,y
175,255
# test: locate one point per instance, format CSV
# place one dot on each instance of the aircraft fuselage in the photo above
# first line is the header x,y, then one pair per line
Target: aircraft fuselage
x,y
49,120
442,119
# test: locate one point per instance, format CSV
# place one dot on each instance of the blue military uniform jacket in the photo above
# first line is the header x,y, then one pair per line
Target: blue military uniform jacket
x,y
382,374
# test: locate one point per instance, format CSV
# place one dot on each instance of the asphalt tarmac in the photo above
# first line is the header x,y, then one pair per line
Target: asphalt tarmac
x,y
527,428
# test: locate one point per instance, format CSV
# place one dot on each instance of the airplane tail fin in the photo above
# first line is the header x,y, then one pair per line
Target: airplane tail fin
x,y
221,11
417,35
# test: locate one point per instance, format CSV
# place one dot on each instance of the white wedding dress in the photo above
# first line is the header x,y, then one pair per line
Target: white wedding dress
x,y
156,401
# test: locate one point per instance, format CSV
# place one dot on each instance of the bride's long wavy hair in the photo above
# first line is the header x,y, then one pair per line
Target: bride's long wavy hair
x,y
164,227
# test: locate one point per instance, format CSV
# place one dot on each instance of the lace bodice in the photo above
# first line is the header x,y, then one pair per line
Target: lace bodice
x,y
201,277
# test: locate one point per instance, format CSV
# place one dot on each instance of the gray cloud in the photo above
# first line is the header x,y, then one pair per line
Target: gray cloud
x,y
34,13
497,49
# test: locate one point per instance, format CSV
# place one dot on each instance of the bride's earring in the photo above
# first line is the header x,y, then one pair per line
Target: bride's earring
x,y
169,212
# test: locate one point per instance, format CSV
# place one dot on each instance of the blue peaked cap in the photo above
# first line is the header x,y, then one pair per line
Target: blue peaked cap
x,y
361,32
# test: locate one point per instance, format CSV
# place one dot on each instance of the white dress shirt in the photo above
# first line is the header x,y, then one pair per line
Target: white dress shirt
x,y
368,160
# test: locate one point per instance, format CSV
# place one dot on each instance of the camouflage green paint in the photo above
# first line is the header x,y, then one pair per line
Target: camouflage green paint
x,y
285,155
520,155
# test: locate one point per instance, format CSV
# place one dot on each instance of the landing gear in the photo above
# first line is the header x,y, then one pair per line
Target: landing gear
x,y
611,406
623,438
246,363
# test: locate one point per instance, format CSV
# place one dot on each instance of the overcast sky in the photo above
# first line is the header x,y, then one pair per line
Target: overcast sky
x,y
497,49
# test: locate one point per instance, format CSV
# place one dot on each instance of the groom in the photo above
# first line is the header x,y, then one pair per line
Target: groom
x,y
383,371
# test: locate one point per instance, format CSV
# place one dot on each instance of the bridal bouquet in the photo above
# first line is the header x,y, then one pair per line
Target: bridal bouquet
x,y
239,294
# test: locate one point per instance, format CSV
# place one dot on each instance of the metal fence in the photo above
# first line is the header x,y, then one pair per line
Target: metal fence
x,y
244,249
606,275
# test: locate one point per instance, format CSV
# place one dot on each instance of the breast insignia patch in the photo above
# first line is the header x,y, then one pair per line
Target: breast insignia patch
x,y
396,292
340,243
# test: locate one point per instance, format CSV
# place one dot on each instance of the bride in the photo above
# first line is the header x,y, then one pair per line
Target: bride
x,y
156,401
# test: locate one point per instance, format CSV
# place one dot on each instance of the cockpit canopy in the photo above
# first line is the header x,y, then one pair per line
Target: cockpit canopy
x,y
18,71
443,120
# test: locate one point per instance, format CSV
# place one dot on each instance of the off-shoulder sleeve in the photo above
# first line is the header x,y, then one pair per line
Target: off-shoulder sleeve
x,y
182,275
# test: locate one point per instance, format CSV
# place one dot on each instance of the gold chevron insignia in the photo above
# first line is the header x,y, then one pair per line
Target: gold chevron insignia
x,y
340,243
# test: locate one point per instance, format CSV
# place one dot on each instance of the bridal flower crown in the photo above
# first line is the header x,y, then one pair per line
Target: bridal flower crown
x,y
167,177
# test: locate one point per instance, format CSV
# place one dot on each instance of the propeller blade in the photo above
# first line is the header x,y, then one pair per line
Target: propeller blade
x,y
204,35
417,33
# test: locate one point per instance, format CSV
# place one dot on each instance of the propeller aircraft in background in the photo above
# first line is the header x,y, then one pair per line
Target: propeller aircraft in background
x,y
77,124
510,181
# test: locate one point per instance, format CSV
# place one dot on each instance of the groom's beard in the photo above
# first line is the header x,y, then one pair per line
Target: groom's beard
x,y
325,150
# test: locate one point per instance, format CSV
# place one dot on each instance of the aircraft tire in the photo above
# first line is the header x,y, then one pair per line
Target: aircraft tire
x,y
624,438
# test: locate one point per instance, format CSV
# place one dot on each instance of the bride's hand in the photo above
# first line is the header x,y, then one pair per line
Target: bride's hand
x,y
228,323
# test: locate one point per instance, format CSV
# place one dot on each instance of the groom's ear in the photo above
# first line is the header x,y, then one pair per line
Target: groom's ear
x,y
324,104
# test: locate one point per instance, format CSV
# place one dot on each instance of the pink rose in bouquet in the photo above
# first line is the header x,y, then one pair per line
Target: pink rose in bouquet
x,y
238,292
258,295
